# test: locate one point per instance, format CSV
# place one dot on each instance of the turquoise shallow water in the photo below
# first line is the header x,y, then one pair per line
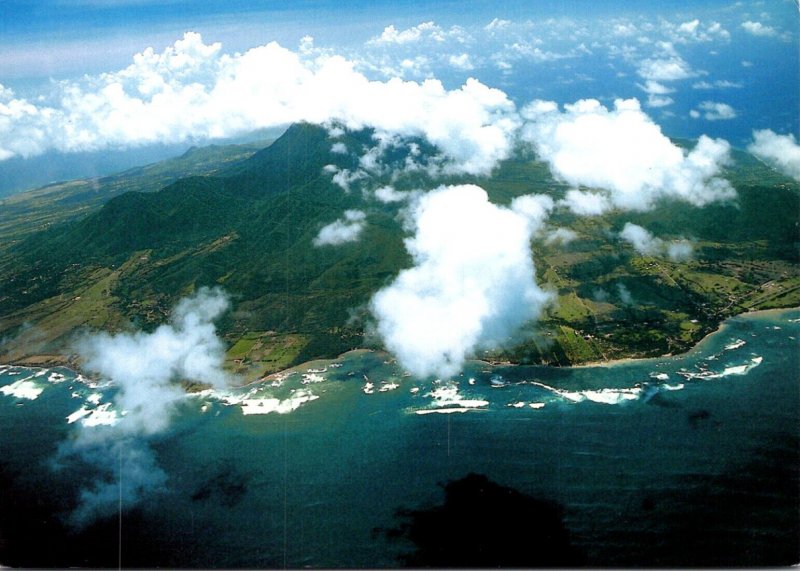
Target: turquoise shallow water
x,y
687,460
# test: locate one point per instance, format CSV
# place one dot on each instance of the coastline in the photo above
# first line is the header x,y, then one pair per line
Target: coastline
x,y
70,363
720,328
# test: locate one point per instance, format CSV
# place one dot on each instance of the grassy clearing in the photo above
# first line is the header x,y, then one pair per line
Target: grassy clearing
x,y
577,348
571,308
258,353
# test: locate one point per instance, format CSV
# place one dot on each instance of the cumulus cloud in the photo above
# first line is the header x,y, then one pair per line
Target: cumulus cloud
x,y
461,61
713,111
659,101
647,244
535,208
194,90
344,178
670,68
145,366
426,31
622,152
715,28
472,285
625,29
780,151
689,27
641,240
657,93
585,203
388,194
346,229
656,88
146,369
561,236
695,31
759,29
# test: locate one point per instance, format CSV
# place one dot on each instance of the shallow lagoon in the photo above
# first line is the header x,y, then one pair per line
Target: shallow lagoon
x,y
683,460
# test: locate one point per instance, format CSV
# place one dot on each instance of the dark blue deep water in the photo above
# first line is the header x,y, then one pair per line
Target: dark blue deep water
x,y
681,461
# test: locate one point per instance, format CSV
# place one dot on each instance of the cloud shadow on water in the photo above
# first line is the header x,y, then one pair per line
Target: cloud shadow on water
x,y
484,524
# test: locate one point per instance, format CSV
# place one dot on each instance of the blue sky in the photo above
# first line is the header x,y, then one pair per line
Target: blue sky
x,y
734,65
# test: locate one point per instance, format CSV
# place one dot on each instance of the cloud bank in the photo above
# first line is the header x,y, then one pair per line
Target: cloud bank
x,y
780,151
623,152
473,281
146,369
193,90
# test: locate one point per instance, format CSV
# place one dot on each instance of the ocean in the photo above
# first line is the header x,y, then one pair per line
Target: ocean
x,y
689,460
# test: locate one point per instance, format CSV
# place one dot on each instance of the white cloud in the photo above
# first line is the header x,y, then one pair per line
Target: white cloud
x,y
339,148
659,101
714,111
146,368
680,250
647,244
193,90
641,240
671,68
781,151
535,208
657,93
715,28
759,29
561,236
344,178
625,29
623,152
497,24
689,27
342,231
388,194
527,49
584,203
461,61
472,286
695,31
426,31
390,35
718,84
418,66
656,88
624,293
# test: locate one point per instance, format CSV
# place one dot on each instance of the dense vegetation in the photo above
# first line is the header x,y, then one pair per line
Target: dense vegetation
x,y
248,226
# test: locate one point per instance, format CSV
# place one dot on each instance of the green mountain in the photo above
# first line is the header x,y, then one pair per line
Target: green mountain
x,y
249,226
26,213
